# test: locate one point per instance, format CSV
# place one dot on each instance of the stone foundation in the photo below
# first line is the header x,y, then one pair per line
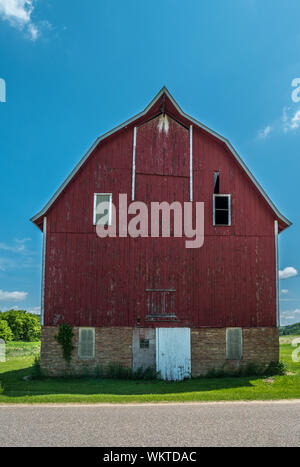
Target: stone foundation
x,y
114,346
208,349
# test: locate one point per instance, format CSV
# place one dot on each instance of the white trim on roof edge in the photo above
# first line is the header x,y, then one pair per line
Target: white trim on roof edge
x,y
164,90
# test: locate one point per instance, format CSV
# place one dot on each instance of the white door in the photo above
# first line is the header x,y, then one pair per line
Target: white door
x,y
173,353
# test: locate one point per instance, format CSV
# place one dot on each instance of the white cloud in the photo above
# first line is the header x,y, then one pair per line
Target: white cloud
x,y
13,296
291,120
264,133
288,272
19,14
15,249
289,317
36,310
284,291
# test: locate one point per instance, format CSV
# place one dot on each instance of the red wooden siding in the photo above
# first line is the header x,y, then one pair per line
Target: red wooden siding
x,y
230,281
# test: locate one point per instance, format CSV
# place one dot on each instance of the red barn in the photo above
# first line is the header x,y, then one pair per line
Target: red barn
x,y
150,301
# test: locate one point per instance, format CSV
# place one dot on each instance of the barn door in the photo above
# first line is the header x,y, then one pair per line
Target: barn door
x,y
173,353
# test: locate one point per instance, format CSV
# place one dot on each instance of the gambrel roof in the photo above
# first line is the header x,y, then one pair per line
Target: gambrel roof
x,y
163,102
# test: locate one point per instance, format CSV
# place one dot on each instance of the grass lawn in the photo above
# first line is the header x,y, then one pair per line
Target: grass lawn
x,y
20,357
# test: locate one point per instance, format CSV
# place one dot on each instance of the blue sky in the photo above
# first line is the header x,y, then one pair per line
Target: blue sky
x,y
74,70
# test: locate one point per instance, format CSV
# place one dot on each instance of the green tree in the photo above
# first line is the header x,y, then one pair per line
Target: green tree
x,y
5,331
31,328
25,326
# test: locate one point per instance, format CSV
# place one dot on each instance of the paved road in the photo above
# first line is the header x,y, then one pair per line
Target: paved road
x,y
208,424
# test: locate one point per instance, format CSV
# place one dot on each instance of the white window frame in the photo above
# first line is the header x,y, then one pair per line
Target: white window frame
x,y
229,209
79,343
242,343
110,208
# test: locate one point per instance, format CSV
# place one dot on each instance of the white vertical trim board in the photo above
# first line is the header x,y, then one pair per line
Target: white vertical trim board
x,y
133,163
191,164
43,270
277,273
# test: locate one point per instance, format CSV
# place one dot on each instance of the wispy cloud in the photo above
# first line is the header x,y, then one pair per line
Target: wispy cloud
x,y
290,119
36,310
17,255
262,134
288,272
19,15
19,247
284,291
13,296
289,317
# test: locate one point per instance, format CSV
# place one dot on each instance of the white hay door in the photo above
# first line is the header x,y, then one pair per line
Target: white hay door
x,y
173,353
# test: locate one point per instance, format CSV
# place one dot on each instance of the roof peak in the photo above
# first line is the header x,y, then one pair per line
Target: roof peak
x,y
163,91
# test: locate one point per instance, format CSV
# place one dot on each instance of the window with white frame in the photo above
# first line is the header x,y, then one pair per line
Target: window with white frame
x,y
102,208
222,209
234,343
86,343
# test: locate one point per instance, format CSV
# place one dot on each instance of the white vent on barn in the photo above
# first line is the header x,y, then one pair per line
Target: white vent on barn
x,y
234,343
102,208
86,345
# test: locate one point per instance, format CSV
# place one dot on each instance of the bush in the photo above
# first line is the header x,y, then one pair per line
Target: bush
x,y
118,371
276,368
251,369
64,338
24,326
36,371
5,331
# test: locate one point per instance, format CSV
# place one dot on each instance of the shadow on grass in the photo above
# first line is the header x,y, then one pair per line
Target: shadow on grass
x,y
14,385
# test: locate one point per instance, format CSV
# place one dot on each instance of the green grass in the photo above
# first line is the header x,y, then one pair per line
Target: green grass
x,y
88,390
22,350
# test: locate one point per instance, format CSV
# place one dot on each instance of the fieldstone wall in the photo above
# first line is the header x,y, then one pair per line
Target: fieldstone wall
x,y
208,349
115,346
112,345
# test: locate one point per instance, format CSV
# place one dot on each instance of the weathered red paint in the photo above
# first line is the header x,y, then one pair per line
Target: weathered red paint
x,y
230,281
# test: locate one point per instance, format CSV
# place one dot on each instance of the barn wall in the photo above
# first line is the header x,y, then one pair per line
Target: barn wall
x,y
208,346
119,346
113,346
230,281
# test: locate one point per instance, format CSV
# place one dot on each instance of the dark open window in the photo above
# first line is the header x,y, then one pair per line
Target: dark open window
x,y
222,209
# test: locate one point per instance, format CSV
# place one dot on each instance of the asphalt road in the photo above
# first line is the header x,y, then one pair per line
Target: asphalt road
x,y
163,425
